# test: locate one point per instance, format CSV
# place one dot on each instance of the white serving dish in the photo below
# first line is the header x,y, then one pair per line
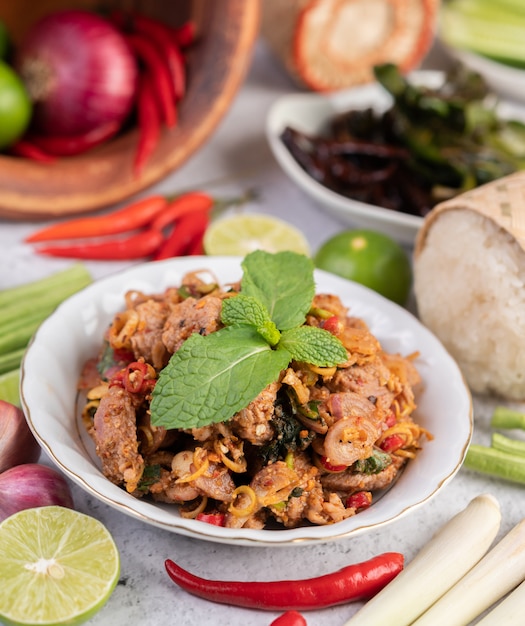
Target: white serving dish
x,y
311,113
73,333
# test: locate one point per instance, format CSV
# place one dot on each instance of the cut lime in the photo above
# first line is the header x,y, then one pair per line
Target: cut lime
x,y
58,566
9,383
239,235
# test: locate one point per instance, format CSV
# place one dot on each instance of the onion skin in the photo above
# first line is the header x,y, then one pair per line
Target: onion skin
x,y
32,485
17,443
79,72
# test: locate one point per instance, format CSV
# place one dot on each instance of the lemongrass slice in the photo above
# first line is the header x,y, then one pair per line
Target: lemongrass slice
x,y
446,558
499,572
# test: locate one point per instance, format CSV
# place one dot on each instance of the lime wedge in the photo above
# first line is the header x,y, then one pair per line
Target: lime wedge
x,y
58,566
9,387
239,235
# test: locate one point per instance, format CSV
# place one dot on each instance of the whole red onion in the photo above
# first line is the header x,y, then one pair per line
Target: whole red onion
x,y
17,442
79,72
32,485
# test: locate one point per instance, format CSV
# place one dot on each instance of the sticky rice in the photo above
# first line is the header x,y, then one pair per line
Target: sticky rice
x,y
469,276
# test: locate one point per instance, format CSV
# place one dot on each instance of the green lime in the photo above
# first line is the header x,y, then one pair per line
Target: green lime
x,y
9,383
370,258
58,566
239,235
15,106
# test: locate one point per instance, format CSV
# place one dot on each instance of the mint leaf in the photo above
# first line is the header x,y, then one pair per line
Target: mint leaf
x,y
212,377
283,282
313,345
243,309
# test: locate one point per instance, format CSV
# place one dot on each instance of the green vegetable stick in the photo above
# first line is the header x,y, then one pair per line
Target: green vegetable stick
x,y
66,281
507,444
496,463
11,360
507,419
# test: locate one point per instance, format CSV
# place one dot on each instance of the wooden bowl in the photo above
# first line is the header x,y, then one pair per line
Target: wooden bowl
x,y
217,66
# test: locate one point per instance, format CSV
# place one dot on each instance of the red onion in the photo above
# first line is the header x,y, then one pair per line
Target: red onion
x,y
17,443
32,485
79,72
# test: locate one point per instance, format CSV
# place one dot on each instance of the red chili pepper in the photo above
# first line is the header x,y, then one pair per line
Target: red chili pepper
x,y
333,325
157,69
188,227
27,149
393,443
149,125
159,34
185,34
290,618
190,202
216,519
136,246
133,216
359,581
77,144
134,378
330,467
359,501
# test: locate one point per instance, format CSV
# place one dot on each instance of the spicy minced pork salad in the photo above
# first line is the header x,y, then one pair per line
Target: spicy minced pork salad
x,y
259,404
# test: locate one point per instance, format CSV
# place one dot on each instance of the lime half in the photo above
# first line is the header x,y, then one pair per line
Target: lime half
x,y
239,235
58,566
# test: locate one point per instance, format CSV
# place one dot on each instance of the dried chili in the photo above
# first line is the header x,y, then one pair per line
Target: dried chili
x,y
355,582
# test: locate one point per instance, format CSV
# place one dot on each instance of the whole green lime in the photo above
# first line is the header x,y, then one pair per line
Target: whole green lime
x,y
15,106
369,258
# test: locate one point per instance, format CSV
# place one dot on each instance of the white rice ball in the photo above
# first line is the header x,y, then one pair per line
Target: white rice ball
x,y
469,280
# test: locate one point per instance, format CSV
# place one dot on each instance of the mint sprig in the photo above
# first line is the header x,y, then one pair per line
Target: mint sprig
x,y
212,377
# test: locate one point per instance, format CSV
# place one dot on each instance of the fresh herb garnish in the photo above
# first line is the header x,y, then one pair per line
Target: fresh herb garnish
x,y
212,377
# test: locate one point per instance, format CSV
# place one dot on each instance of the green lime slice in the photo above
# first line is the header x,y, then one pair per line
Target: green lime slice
x,y
58,566
239,235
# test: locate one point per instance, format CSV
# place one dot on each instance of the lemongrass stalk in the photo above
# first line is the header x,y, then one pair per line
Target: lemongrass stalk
x,y
439,565
509,612
498,572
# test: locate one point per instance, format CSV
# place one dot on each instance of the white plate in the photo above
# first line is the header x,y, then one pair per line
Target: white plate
x,y
310,113
74,332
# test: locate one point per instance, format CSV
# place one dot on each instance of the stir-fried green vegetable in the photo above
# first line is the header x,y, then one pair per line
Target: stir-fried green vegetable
x,y
454,133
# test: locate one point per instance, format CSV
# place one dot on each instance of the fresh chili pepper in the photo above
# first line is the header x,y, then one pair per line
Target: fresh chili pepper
x,y
137,246
185,230
157,69
185,34
135,378
216,519
330,467
76,144
359,581
149,125
333,325
159,34
290,618
133,216
182,205
359,501
27,149
393,443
